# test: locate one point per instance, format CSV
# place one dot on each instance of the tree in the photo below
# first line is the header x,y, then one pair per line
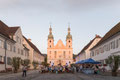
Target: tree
x,y
45,62
35,64
16,61
114,63
25,62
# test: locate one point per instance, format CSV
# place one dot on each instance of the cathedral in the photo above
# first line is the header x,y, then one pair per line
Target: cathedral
x,y
59,54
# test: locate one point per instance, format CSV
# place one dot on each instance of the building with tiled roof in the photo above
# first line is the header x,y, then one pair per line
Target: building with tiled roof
x,y
34,53
85,52
12,44
108,45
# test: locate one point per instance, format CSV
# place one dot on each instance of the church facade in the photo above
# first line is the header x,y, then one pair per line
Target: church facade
x,y
59,54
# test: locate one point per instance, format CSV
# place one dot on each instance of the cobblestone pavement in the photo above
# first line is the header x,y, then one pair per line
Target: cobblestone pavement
x,y
34,75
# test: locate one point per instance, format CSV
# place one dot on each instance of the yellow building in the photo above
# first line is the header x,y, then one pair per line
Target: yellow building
x,y
59,54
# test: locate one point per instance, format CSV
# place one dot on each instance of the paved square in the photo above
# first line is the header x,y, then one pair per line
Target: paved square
x,y
35,75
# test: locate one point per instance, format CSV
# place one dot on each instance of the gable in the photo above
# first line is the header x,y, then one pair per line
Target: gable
x,y
60,45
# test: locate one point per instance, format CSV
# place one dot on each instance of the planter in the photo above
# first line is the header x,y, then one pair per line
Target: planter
x,y
1,62
114,73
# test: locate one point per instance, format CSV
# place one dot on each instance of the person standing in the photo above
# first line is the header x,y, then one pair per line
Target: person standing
x,y
24,71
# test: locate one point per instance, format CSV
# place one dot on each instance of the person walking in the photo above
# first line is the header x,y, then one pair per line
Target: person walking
x,y
24,71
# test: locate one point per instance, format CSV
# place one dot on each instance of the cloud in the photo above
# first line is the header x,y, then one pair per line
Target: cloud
x,y
56,6
7,3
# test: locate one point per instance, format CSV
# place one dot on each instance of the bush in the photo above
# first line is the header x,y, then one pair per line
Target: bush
x,y
25,62
35,64
16,61
114,63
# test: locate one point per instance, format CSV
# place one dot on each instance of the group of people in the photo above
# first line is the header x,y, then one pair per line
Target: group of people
x,y
95,68
66,69
57,69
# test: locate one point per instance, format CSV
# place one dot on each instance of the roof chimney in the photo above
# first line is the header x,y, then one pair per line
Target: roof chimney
x,y
29,39
97,36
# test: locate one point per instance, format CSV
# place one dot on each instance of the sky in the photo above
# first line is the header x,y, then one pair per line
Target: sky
x,y
86,17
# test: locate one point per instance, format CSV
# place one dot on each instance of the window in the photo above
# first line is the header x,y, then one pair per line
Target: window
x,y
69,46
9,60
14,49
69,41
21,52
1,59
64,54
50,55
55,54
108,47
1,44
18,51
10,47
117,43
50,41
92,54
50,52
18,40
50,46
102,49
27,53
97,51
113,44
69,54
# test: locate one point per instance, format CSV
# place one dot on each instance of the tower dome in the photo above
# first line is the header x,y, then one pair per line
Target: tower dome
x,y
50,36
69,36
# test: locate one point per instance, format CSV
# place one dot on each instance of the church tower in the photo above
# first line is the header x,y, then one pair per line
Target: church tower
x,y
69,39
50,38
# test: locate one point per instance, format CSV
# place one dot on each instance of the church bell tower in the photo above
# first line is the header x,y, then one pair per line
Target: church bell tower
x,y
69,39
50,38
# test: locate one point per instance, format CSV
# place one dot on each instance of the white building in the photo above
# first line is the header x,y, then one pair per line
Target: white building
x,y
85,52
12,45
108,45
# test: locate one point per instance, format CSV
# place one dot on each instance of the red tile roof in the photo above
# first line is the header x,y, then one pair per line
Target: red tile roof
x,y
109,34
32,45
12,30
6,31
87,46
